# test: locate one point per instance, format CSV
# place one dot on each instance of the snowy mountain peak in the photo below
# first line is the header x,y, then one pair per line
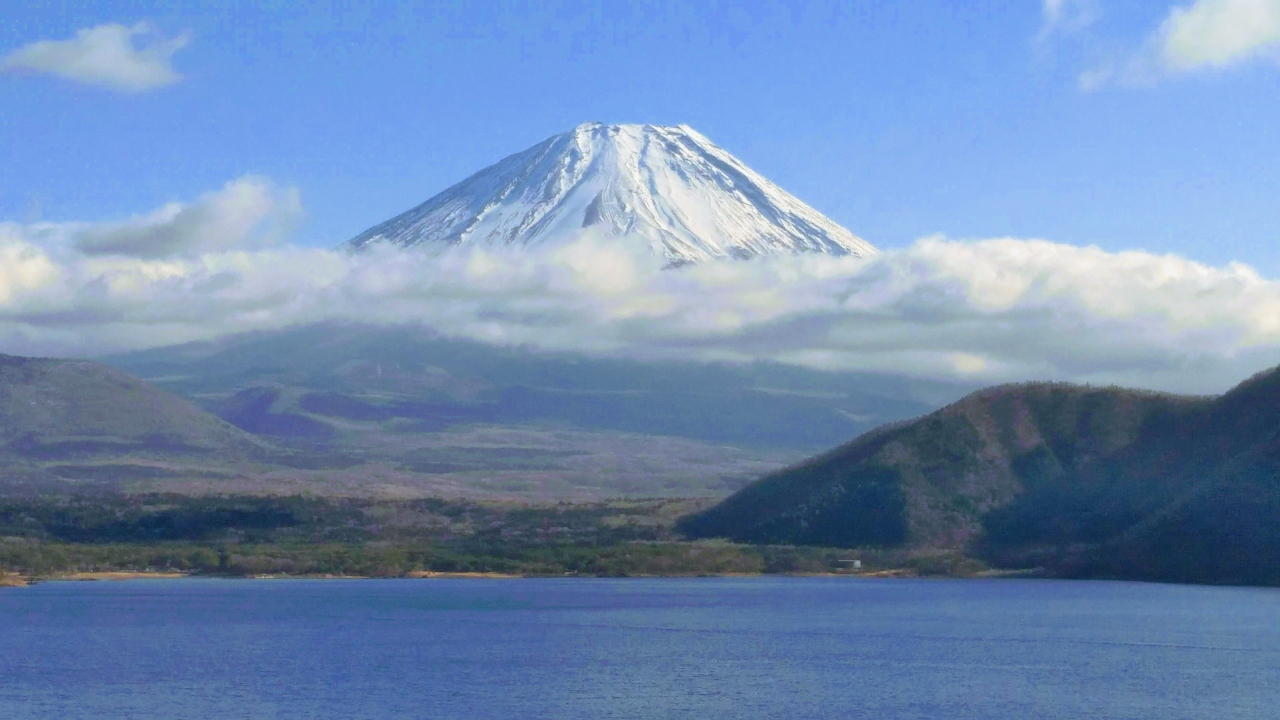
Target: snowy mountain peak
x,y
688,198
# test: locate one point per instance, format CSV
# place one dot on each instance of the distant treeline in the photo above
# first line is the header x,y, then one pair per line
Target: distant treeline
x,y
245,536
101,519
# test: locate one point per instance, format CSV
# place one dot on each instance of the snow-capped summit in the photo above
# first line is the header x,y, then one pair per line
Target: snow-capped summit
x,y
670,185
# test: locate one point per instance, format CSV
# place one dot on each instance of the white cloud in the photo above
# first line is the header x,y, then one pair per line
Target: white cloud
x,y
988,310
1205,35
248,212
1218,33
118,57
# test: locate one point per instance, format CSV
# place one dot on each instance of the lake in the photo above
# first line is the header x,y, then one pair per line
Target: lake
x,y
669,648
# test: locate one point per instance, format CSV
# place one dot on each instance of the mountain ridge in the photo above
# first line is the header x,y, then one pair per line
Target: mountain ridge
x,y
1072,480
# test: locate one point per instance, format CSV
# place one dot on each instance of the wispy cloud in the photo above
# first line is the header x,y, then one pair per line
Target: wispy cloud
x,y
991,310
118,57
1066,16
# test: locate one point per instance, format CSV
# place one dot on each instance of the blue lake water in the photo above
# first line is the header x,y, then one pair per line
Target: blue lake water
x,y
707,648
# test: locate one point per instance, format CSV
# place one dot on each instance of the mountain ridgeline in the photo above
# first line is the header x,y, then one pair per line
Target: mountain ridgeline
x,y
1080,481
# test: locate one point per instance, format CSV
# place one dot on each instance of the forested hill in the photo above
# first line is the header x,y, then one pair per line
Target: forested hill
x,y
1085,482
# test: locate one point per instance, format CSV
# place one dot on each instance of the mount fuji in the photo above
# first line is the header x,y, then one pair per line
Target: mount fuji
x,y
669,185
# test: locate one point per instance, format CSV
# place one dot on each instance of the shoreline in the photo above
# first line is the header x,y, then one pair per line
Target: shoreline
x,y
15,580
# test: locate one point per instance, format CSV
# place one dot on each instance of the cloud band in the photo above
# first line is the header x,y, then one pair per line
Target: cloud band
x,y
991,310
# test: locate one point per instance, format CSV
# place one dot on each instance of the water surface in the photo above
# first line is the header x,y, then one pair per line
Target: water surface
x,y
574,648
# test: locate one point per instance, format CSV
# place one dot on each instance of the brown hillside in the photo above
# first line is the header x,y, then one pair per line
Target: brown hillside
x,y
928,482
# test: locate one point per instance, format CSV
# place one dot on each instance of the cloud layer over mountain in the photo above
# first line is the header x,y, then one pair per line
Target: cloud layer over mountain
x,y
987,310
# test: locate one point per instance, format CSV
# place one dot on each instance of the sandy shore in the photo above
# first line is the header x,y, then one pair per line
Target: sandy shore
x,y
7,580
431,574
115,575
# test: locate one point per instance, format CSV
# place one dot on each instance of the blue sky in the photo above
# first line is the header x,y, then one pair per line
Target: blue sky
x,y
896,119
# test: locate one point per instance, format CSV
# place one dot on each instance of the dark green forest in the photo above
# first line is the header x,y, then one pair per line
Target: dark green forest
x,y
247,536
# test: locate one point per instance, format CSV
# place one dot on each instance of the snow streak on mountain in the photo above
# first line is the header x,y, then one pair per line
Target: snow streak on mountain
x,y
670,185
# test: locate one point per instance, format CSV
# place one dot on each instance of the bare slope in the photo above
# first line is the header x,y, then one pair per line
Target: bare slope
x,y
53,408
469,418
67,424
278,383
